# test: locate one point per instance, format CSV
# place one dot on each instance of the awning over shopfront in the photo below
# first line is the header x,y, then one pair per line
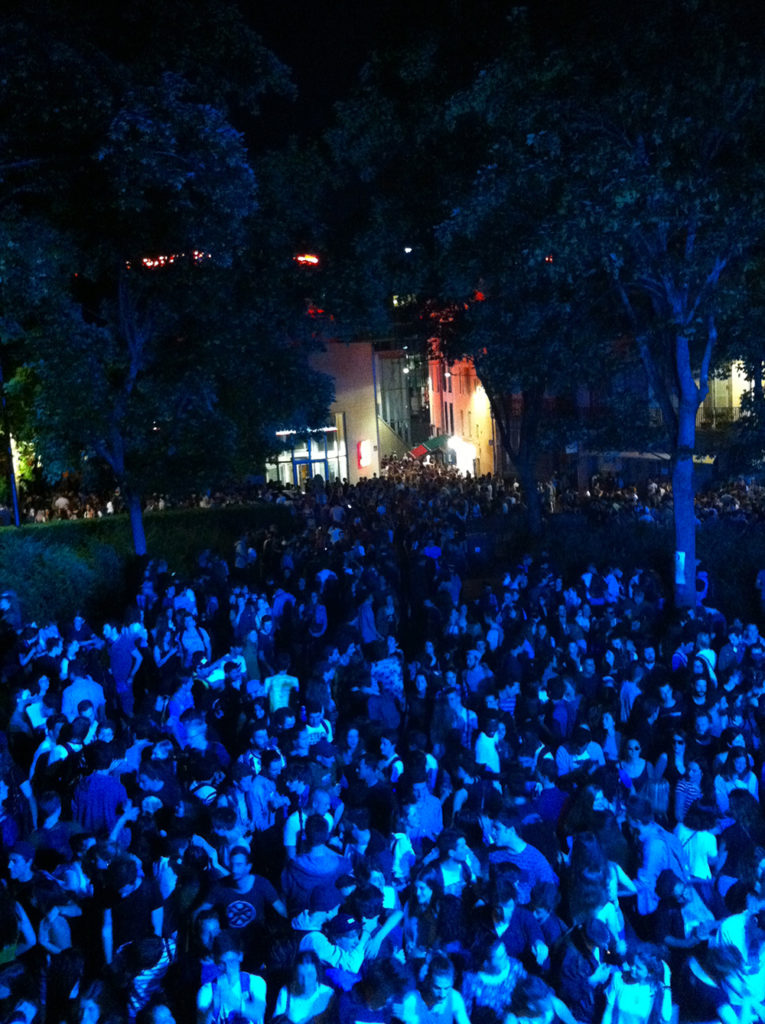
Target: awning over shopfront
x,y
429,446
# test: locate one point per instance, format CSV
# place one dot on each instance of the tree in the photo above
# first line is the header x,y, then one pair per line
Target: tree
x,y
673,197
650,185
156,358
650,182
29,283
621,162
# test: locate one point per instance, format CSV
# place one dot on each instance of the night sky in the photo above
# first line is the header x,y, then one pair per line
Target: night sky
x,y
325,43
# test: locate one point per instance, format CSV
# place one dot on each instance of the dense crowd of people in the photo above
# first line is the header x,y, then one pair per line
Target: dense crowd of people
x,y
331,779
50,505
605,498
608,498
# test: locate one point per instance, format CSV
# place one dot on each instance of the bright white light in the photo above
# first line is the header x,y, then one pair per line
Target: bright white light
x,y
407,248
465,454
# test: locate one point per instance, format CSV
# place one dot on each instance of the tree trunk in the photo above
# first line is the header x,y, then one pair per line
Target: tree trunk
x,y
527,458
528,477
683,490
685,530
135,509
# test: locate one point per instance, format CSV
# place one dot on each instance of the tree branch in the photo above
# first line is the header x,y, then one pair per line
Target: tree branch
x,y
710,281
657,385
707,359
135,334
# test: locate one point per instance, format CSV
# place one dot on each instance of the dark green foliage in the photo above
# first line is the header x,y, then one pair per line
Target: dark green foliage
x,y
137,331
601,194
572,542
54,577
59,567
180,536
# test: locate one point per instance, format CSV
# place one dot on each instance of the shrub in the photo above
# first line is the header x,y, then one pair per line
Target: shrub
x,y
731,552
52,580
56,568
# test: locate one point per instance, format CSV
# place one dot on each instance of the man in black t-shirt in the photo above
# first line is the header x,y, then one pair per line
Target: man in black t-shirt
x,y
133,908
242,900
